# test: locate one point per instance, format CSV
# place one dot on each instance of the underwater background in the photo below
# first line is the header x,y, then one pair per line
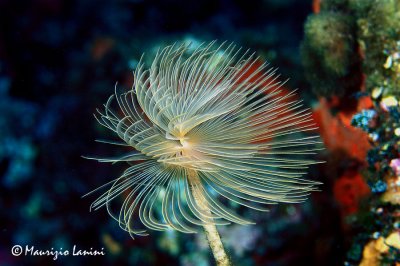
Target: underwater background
x,y
60,60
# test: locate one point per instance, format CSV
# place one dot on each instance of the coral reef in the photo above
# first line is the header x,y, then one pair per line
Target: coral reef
x,y
378,34
373,127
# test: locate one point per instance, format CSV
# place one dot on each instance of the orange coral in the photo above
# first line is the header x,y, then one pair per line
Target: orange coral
x,y
316,6
348,190
337,131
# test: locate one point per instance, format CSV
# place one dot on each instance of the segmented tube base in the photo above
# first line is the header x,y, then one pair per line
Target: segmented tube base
x,y
212,234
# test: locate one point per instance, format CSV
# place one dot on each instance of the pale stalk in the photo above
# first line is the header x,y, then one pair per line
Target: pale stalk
x,y
212,234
